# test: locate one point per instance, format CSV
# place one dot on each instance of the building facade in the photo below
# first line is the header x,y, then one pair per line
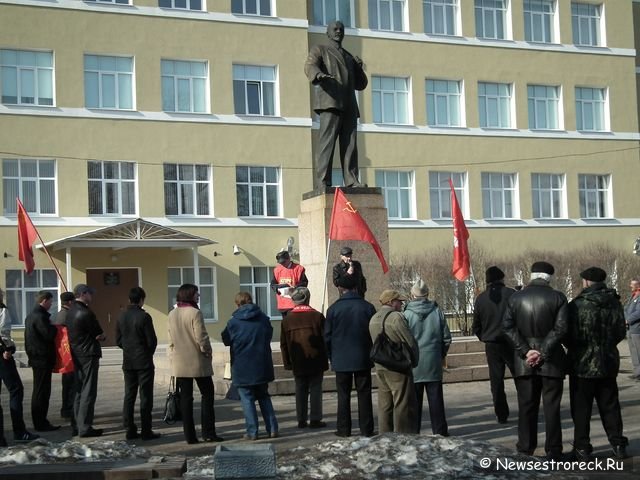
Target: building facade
x,y
156,142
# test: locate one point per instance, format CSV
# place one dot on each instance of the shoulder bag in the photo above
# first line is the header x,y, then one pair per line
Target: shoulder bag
x,y
172,412
394,356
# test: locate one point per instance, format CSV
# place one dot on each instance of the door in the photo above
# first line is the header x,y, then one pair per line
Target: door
x,y
111,297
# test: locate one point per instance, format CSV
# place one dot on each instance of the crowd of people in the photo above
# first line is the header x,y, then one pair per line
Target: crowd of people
x,y
533,331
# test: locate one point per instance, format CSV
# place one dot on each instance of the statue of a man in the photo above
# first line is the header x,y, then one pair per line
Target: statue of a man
x,y
336,74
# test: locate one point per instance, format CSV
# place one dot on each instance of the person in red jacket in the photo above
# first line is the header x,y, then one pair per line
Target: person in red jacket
x,y
287,275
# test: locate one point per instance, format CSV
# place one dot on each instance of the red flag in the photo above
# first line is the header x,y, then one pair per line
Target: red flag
x,y
461,267
27,234
348,224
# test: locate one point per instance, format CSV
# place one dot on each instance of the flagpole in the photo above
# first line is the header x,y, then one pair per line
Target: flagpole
x,y
44,247
326,267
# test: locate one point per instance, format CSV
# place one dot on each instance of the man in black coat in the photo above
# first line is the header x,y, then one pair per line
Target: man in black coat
x,y
40,345
136,337
535,322
349,270
488,311
85,335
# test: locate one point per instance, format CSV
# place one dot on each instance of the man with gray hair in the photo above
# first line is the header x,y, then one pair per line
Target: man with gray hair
x,y
303,351
535,321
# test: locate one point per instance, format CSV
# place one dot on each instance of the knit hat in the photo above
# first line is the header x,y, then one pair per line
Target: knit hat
x,y
542,267
389,295
594,274
300,295
346,281
493,274
419,289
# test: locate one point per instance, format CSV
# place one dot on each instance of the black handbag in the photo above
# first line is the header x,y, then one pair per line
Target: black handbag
x,y
394,356
172,412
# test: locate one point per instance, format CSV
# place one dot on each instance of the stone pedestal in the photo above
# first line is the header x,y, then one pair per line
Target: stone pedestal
x,y
313,233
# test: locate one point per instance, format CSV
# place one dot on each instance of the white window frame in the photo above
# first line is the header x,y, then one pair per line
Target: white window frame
x,y
187,275
198,85
502,192
597,108
191,5
553,191
29,187
452,100
262,188
377,7
188,187
497,104
399,185
322,9
115,2
599,196
541,26
119,76
544,102
488,16
594,22
119,182
28,74
440,193
436,15
243,74
269,305
246,7
22,288
396,95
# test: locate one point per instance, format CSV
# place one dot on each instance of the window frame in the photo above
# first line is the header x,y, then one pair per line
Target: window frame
x,y
319,9
504,16
38,74
264,185
440,190
102,74
554,194
258,8
595,27
597,107
382,181
380,93
376,14
603,196
433,98
489,193
119,181
551,105
27,290
443,9
271,307
503,102
9,203
177,78
547,21
261,90
187,275
182,185
187,7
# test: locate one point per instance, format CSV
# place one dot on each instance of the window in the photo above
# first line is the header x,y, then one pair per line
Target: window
x,y
118,2
184,86
590,109
112,188
254,90
440,17
187,189
256,281
258,191
326,11
443,103
548,195
181,4
595,196
440,193
390,100
26,77
543,104
494,105
387,15
539,20
491,19
22,289
34,181
251,7
499,195
397,188
178,276
108,82
585,22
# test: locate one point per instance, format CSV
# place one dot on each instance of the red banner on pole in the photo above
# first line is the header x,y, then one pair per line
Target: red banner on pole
x,y
27,235
461,264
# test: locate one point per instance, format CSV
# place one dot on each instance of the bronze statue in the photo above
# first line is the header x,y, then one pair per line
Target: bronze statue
x,y
336,75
